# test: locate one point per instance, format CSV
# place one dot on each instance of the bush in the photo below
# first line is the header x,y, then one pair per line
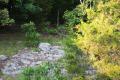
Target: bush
x,y
32,37
73,17
4,18
50,30
47,71
100,38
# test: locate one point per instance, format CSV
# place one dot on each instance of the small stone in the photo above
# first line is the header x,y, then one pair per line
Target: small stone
x,y
3,57
56,47
39,62
36,63
90,72
50,58
25,61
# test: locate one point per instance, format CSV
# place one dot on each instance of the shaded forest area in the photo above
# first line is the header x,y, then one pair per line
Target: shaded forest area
x,y
40,12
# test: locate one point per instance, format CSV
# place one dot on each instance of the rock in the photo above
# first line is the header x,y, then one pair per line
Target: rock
x,y
90,72
28,58
57,51
35,52
36,63
3,57
50,58
45,47
1,79
25,61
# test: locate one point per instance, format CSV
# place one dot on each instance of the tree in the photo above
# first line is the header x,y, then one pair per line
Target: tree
x,y
23,10
4,14
59,7
4,18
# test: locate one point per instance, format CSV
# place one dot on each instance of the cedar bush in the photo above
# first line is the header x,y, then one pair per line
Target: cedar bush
x,y
100,37
32,36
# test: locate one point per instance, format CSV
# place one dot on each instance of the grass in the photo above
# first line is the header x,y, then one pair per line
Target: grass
x,y
53,39
11,43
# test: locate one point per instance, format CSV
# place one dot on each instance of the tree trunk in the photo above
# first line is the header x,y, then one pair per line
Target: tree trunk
x,y
58,15
80,1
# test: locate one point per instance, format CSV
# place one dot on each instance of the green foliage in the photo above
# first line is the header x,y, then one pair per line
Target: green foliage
x,y
24,10
47,71
27,6
102,77
73,17
50,30
6,1
75,62
78,78
37,11
4,18
46,6
58,9
32,37
100,38
62,30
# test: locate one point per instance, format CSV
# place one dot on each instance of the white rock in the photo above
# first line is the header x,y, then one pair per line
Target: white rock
x,y
25,61
1,79
45,47
39,62
50,58
3,57
36,63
